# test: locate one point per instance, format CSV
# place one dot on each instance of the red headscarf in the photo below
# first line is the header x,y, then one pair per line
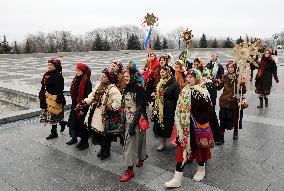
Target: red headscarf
x,y
155,63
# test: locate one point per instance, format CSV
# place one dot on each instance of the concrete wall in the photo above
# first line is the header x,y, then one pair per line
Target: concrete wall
x,y
18,98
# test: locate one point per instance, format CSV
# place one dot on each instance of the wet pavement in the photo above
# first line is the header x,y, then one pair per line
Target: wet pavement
x,y
254,162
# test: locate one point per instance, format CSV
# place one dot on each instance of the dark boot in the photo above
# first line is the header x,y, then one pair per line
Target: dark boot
x,y
72,141
62,125
235,136
106,153
101,151
222,136
53,132
83,144
266,101
260,102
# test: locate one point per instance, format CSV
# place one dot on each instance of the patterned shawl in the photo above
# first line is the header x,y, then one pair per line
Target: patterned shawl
x,y
183,113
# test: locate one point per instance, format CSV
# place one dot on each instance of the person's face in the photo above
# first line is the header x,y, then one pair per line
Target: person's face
x,y
231,69
126,77
114,67
79,72
50,67
191,80
214,57
266,54
163,74
178,65
162,62
195,65
152,57
104,78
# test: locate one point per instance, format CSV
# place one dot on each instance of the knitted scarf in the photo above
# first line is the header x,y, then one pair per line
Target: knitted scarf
x,y
159,101
81,90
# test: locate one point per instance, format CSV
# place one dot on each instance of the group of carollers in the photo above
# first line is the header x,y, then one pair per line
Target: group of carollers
x,y
183,96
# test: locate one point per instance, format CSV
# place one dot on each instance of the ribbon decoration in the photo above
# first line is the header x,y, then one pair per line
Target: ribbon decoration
x,y
148,39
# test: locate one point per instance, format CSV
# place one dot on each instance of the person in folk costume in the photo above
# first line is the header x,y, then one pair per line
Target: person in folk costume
x,y
164,62
166,96
81,87
214,124
134,106
230,114
52,86
151,75
169,59
194,136
117,67
180,72
103,119
267,69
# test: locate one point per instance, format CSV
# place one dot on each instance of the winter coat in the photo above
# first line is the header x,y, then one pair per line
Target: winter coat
x,y
227,99
263,81
113,99
172,90
53,83
73,118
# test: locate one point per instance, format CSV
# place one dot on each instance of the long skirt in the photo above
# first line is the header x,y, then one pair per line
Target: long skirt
x,y
50,118
229,118
134,148
198,153
214,125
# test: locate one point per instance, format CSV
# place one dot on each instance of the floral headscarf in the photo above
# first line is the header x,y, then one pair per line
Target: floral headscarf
x,y
112,77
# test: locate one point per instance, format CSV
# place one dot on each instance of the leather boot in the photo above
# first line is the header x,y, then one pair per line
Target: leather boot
x,y
260,102
53,133
266,102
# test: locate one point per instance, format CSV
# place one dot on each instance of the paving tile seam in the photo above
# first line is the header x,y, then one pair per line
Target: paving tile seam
x,y
11,185
249,118
103,162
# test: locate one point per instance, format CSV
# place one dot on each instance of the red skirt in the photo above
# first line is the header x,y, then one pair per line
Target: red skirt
x,y
199,154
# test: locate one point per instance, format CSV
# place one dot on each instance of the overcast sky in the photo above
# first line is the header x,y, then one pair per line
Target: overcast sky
x,y
216,18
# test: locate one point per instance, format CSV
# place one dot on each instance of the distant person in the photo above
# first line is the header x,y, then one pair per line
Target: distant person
x,y
180,73
81,87
51,96
263,82
216,73
151,75
117,67
164,62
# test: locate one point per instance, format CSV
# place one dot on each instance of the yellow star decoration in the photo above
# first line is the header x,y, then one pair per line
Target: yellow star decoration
x,y
245,52
187,37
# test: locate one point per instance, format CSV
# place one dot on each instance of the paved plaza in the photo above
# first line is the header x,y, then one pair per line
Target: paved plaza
x,y
28,161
